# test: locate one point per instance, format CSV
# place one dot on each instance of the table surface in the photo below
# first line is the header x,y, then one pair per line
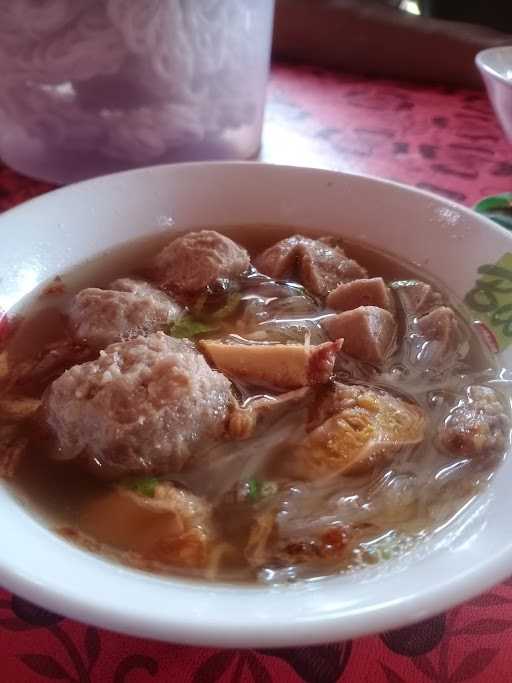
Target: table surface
x,y
437,138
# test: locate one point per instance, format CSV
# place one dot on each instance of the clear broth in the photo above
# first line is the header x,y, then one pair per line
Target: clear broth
x,y
442,485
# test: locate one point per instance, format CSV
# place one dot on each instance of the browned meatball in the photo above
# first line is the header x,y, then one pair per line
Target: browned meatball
x,y
476,425
144,406
320,266
368,332
127,309
365,292
194,261
417,298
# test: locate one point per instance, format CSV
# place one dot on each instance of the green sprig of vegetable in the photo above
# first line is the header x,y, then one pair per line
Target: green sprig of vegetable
x,y
187,327
257,489
254,489
144,487
199,323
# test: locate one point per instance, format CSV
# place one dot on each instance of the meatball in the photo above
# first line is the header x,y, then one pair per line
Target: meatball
x,y
436,338
364,292
417,298
368,332
194,261
476,425
320,267
145,406
127,309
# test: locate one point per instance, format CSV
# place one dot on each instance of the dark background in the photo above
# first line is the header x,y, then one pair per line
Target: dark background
x,y
494,13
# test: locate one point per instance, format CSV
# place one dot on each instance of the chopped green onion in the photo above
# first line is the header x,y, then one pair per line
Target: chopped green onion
x,y
187,327
256,489
144,487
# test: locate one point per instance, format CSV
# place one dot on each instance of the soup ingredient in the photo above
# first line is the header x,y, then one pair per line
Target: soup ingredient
x,y
267,300
356,427
366,292
369,332
417,298
193,262
301,460
170,527
281,260
127,309
13,433
187,327
319,266
435,338
143,407
13,445
270,545
255,490
476,425
264,410
32,375
280,313
19,408
281,366
144,487
434,342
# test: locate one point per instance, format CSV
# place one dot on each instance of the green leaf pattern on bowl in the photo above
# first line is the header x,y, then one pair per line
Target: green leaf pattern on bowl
x,y
490,300
498,208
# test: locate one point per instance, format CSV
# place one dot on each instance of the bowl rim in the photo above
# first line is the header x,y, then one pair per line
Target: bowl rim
x,y
447,592
487,68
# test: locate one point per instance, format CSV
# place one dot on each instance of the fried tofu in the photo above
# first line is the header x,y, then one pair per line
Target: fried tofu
x,y
282,366
355,427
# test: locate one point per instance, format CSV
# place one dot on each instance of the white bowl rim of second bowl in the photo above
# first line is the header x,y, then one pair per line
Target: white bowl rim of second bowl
x,y
483,65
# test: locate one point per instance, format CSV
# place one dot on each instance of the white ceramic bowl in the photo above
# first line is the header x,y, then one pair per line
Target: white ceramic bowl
x,y
48,235
495,65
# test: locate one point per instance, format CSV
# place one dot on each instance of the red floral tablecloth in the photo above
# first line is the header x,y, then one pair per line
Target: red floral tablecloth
x,y
441,139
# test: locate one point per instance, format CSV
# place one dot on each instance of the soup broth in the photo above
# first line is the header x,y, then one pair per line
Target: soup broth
x,y
342,469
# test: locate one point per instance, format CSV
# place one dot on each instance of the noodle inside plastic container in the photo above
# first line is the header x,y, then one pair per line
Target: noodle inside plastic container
x,y
89,87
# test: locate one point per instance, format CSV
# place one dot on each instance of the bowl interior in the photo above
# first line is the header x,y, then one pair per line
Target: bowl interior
x,y
47,236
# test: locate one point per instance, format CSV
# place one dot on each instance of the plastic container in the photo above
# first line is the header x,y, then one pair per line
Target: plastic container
x,y
92,87
495,66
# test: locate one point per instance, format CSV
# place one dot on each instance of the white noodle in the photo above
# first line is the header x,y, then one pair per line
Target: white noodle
x,y
179,63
